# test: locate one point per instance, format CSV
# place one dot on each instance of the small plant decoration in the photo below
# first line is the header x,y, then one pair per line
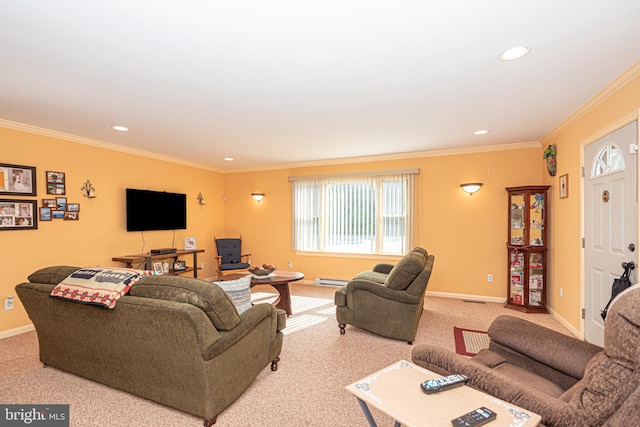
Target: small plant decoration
x,y
550,157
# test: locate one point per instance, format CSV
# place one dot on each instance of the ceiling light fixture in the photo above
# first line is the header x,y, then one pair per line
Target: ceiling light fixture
x,y
515,53
120,128
481,132
228,159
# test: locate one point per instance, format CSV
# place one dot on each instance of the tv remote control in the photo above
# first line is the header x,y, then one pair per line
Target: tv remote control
x,y
475,418
443,383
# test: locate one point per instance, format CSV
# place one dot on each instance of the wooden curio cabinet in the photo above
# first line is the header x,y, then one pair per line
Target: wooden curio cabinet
x,y
527,249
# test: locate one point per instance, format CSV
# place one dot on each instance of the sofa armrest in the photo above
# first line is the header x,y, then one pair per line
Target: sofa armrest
x,y
381,291
515,339
383,268
248,320
554,411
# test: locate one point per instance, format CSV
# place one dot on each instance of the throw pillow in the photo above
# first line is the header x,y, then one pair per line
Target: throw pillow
x,y
97,285
406,270
239,291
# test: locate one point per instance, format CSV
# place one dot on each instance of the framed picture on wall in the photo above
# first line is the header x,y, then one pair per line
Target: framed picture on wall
x,y
45,214
56,183
17,180
18,214
564,186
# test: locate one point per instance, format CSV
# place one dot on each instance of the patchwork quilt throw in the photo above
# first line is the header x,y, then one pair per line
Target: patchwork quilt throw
x,y
97,285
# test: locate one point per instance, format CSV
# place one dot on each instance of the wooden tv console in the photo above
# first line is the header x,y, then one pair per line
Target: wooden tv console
x,y
133,261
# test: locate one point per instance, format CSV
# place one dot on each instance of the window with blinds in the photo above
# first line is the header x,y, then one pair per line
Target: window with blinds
x,y
368,213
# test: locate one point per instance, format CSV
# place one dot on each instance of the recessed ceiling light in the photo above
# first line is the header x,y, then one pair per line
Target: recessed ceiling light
x,y
481,132
229,159
514,53
120,128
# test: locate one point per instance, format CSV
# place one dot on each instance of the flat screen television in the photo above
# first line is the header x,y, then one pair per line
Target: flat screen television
x,y
155,210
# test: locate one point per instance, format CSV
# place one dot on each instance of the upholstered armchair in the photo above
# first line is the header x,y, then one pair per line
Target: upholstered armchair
x,y
569,382
388,299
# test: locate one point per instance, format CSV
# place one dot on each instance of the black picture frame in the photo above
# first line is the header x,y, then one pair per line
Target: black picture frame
x,y
16,214
17,180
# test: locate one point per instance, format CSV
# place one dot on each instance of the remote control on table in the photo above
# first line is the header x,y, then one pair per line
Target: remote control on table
x,y
443,383
475,418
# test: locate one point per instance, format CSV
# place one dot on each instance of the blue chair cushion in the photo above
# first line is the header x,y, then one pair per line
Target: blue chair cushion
x,y
235,266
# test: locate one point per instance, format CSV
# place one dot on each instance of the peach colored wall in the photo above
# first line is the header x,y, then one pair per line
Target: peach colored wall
x,y
467,234
100,232
566,230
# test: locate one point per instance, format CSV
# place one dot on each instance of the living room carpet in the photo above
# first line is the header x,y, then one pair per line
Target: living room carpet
x,y
469,342
308,389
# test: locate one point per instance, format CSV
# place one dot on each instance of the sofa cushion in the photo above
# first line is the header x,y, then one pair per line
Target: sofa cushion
x,y
372,276
97,285
239,291
209,298
52,275
406,270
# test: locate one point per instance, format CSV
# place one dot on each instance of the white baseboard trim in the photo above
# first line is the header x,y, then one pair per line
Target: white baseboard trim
x,y
566,324
16,331
466,297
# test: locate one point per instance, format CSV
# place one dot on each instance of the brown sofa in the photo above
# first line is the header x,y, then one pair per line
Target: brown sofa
x,y
387,300
174,340
567,381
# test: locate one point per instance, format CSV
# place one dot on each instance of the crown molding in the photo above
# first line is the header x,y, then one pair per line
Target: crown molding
x,y
625,78
344,160
100,144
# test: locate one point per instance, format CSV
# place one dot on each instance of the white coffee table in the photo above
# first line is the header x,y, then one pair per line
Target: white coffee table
x,y
396,391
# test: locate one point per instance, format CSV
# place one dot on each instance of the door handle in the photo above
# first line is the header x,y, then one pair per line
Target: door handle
x,y
632,247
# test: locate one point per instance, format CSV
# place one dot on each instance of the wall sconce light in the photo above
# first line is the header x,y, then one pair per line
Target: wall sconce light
x,y
258,196
89,190
471,187
201,200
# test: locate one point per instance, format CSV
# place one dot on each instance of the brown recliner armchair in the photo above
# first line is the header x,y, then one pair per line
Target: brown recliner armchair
x,y
567,381
387,300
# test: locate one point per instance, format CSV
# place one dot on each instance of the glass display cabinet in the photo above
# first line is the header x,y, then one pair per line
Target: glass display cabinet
x,y
527,249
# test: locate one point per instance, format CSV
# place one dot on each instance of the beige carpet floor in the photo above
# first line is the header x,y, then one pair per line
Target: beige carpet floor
x,y
307,390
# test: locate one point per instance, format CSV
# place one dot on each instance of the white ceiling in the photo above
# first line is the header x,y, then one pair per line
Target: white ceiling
x,y
283,82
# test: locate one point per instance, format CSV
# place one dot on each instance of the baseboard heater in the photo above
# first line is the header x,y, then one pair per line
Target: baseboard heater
x,y
323,281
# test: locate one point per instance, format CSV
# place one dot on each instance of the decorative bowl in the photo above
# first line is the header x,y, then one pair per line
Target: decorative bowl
x,y
262,271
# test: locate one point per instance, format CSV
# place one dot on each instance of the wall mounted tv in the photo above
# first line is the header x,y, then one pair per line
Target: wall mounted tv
x,y
155,210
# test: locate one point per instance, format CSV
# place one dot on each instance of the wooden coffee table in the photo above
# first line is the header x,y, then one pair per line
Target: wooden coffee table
x,y
396,391
279,280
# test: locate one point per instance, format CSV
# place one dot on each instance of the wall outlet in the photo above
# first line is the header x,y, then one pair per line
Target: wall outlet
x,y
290,264
202,265
561,293
489,277
9,303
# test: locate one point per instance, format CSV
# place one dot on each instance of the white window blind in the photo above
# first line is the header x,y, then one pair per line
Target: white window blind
x,y
368,213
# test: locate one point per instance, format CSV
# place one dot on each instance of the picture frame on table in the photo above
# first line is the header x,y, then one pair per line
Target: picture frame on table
x,y
157,268
189,243
179,265
56,183
17,180
18,214
563,183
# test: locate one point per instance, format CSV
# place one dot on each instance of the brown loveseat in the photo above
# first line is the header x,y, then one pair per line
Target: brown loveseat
x,y
387,300
175,340
567,381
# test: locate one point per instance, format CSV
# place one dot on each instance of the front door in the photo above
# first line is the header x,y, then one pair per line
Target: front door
x,y
611,220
